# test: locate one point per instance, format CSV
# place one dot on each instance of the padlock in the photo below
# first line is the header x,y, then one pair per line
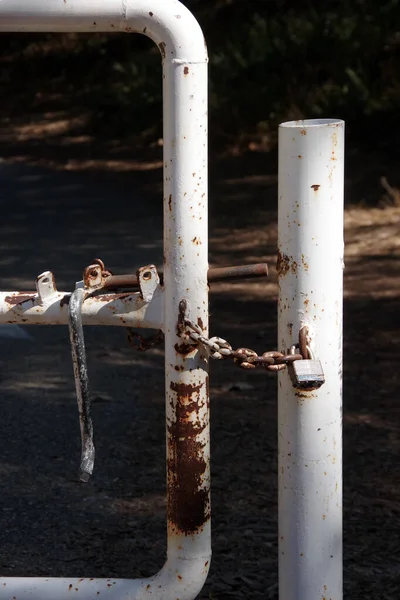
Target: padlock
x,y
307,373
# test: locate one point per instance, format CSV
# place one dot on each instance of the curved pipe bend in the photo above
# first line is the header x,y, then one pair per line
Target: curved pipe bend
x,y
167,22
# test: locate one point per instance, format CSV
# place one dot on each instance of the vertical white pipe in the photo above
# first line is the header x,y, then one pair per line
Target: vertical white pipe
x,y
185,280
181,42
310,272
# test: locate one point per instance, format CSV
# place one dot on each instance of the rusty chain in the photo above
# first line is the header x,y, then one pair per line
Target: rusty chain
x,y
218,348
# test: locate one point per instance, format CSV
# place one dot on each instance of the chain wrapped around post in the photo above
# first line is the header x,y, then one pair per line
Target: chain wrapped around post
x,y
218,348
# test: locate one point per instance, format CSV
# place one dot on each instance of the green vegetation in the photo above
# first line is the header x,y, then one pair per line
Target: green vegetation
x,y
269,60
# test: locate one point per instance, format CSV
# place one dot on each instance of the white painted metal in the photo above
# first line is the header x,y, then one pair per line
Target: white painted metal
x,y
184,53
126,310
310,270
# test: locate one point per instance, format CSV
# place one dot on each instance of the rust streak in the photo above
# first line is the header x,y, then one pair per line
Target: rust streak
x,y
188,500
306,396
65,300
184,349
282,264
162,47
110,297
20,298
304,262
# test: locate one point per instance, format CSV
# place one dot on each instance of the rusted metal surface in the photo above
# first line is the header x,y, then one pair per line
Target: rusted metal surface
x,y
95,274
16,298
240,272
218,348
139,342
188,497
214,275
285,264
65,300
120,309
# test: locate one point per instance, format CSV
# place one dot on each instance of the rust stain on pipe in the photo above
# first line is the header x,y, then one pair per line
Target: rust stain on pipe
x,y
110,297
20,298
284,264
65,300
188,499
185,349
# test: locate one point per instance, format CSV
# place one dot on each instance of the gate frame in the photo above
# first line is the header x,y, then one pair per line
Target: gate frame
x,y
310,275
184,58
310,271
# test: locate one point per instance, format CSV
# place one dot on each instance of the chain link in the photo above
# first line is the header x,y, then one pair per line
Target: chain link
x,y
218,348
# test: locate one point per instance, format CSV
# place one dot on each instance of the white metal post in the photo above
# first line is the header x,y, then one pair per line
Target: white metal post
x,y
181,42
310,272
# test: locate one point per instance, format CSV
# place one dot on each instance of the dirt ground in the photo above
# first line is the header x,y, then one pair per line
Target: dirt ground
x,y
63,202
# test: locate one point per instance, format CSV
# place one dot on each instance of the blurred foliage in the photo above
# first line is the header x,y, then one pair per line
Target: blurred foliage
x,y
270,60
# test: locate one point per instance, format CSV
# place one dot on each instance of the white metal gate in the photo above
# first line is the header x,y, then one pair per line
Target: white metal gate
x,y
310,263
184,55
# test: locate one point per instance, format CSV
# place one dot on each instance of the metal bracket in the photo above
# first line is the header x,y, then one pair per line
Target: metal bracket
x,y
95,275
93,279
45,287
149,281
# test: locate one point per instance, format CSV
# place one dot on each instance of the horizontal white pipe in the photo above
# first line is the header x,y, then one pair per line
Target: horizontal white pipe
x,y
181,577
167,22
124,310
181,43
310,270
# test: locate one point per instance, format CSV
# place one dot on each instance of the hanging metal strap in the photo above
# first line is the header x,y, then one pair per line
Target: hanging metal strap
x,y
81,382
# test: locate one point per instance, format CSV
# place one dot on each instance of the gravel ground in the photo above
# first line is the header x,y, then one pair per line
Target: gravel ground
x,y
115,525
